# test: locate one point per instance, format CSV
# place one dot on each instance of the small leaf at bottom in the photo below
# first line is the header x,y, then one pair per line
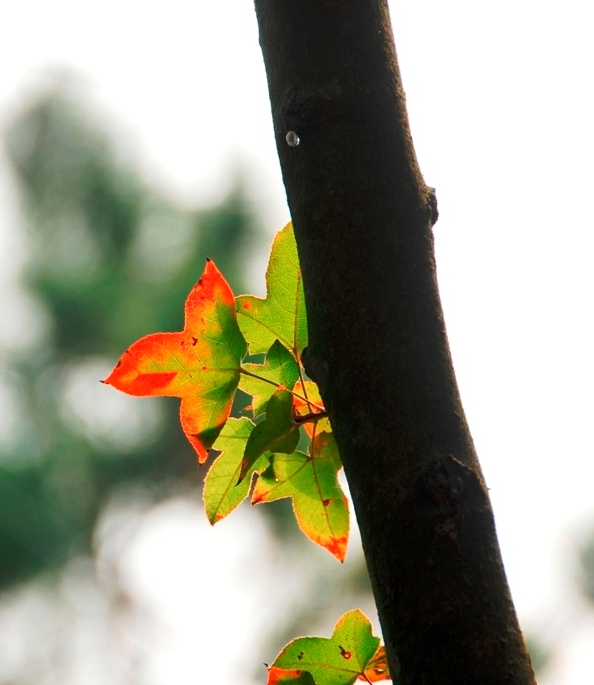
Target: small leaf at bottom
x,y
338,660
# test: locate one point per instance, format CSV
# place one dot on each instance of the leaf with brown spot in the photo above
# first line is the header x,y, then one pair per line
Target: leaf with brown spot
x,y
339,660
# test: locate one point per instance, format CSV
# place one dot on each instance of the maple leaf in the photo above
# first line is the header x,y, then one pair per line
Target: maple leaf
x,y
277,433
311,481
263,380
199,364
339,660
281,315
220,493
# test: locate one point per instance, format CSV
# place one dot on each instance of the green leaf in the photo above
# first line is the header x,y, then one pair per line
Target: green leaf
x,y
220,494
311,480
339,660
277,433
281,316
279,368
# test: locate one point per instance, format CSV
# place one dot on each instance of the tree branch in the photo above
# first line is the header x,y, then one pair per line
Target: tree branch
x,y
363,221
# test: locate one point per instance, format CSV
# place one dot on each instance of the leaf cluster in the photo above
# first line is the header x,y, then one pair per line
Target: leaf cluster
x,y
284,447
206,363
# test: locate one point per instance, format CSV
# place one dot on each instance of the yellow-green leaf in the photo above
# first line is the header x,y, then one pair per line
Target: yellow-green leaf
x,y
277,433
281,315
261,381
221,495
318,500
338,660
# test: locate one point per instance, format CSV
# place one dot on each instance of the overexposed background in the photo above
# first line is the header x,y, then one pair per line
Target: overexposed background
x,y
501,105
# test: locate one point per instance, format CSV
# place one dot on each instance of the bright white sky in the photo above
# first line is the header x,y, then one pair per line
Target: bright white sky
x,y
501,107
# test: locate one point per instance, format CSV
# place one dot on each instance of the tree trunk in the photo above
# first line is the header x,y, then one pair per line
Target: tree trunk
x,y
363,221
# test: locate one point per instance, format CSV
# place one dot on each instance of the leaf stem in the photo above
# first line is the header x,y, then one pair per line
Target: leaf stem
x,y
302,379
260,378
313,416
303,397
311,444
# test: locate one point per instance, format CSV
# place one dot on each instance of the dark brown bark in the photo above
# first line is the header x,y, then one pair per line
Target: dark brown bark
x,y
363,221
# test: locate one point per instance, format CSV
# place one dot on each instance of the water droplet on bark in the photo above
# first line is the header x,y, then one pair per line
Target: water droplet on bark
x,y
292,139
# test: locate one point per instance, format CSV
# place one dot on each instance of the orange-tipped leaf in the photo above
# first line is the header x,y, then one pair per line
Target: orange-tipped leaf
x,y
199,364
318,500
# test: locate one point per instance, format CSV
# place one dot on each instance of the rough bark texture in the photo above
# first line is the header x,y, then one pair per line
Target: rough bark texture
x,y
363,220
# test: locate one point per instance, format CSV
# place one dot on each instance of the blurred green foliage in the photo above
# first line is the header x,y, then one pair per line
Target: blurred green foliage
x,y
540,654
586,569
111,260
